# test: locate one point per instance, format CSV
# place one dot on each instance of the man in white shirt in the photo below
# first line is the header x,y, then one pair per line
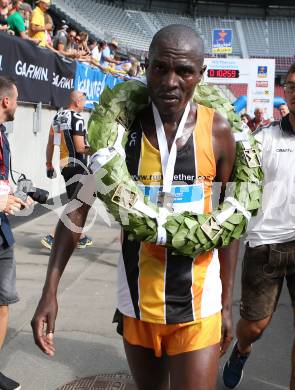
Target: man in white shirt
x,y
270,252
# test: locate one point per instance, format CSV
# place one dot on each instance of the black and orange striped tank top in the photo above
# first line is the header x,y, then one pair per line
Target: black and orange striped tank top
x,y
154,285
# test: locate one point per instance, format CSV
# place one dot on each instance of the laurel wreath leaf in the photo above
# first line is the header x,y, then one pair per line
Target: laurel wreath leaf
x,y
185,231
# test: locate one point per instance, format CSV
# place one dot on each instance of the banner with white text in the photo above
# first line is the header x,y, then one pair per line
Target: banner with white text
x,y
41,75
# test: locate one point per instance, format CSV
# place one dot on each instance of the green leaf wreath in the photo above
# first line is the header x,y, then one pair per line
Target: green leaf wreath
x,y
187,233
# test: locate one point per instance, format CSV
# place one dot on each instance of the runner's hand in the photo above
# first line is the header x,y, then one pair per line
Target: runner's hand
x,y
226,331
43,324
51,174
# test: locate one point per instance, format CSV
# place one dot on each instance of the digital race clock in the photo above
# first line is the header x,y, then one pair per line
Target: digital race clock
x,y
224,73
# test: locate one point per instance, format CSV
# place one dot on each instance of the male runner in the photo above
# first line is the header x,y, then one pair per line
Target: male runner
x,y
170,306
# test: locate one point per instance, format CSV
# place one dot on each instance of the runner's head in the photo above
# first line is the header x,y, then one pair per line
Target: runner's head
x,y
175,67
289,88
77,101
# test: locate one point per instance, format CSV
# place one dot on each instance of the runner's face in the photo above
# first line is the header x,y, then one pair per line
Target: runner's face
x,y
172,75
290,92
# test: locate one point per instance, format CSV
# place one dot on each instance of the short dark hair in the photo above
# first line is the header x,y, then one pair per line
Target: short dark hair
x,y
291,70
101,43
181,33
6,85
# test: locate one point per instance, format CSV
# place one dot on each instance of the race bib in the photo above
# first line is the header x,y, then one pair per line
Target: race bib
x,y
183,197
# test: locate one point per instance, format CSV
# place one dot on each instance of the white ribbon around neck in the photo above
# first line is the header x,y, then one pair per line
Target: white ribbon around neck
x,y
168,163
168,159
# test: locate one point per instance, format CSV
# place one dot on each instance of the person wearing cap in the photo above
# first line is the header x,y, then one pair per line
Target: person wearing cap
x,y
37,29
108,53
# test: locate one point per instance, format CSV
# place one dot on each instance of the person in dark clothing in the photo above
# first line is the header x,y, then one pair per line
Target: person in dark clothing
x,y
9,204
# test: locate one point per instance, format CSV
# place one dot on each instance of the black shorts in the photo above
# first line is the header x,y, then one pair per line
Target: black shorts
x,y
264,269
72,176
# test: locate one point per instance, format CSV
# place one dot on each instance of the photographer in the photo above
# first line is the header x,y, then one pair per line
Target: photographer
x,y
9,204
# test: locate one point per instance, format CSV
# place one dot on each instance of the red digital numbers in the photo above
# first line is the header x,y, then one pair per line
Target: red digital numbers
x,y
223,73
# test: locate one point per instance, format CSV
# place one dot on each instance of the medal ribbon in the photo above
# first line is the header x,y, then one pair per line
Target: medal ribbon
x,y
168,159
168,163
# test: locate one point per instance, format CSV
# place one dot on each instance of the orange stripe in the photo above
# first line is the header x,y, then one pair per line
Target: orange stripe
x,y
152,258
204,151
152,266
150,169
201,264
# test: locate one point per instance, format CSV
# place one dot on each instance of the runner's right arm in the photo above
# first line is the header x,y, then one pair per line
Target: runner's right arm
x,y
65,241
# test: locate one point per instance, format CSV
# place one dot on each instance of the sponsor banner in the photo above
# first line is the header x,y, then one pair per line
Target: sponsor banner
x,y
92,81
41,75
222,41
257,73
261,86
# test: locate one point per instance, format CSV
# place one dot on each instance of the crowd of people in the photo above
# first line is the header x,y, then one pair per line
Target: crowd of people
x,y
258,121
19,19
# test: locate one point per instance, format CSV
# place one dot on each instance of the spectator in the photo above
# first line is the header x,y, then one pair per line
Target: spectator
x,y
64,42
284,110
26,12
9,204
16,22
245,118
4,8
49,29
77,41
61,36
83,48
101,45
258,120
94,49
37,28
3,14
108,53
135,68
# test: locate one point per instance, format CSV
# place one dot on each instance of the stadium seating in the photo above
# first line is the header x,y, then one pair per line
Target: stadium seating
x,y
238,89
134,29
205,25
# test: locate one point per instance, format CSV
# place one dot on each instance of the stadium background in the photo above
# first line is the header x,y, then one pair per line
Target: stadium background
x,y
261,28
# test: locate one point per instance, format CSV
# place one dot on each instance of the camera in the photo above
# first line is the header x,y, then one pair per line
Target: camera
x,y
26,188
